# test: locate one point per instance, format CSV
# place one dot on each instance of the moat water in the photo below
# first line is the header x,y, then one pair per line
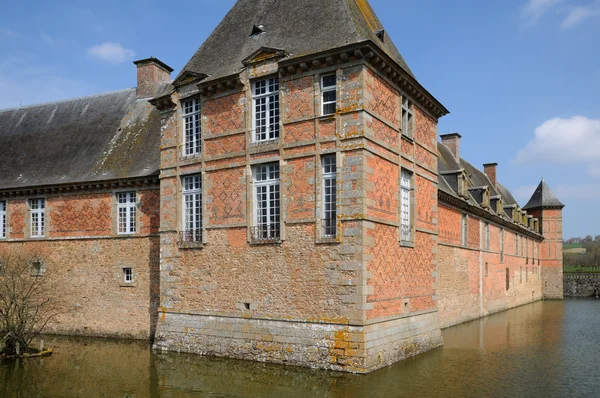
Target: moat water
x,y
546,349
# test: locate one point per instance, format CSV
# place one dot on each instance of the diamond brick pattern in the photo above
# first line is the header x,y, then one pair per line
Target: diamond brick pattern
x,y
385,100
228,204
224,114
297,132
299,99
225,145
385,181
385,133
81,214
300,188
398,272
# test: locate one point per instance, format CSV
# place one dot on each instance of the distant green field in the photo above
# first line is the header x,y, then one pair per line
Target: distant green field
x,y
581,270
567,246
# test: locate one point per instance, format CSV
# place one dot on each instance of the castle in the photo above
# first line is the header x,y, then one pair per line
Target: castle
x,y
284,198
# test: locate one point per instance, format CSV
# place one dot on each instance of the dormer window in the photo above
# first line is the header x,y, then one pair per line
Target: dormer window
x,y
191,125
257,30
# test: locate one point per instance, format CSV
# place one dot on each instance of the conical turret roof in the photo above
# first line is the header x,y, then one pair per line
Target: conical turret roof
x,y
543,197
298,27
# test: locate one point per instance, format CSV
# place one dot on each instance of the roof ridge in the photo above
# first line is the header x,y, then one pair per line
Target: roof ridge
x,y
64,100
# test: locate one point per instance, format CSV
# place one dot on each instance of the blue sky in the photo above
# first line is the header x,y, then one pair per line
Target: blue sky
x,y
520,77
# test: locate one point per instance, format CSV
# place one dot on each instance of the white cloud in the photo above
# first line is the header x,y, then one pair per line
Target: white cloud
x,y
111,52
558,140
533,10
577,15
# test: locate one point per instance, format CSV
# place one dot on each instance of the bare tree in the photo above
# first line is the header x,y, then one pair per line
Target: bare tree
x,y
28,301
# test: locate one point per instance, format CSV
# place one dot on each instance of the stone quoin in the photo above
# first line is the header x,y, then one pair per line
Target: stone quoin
x,y
283,199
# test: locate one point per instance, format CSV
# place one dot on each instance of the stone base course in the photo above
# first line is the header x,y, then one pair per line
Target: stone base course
x,y
356,349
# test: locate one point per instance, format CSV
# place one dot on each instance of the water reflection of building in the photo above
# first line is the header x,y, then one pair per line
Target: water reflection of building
x,y
291,184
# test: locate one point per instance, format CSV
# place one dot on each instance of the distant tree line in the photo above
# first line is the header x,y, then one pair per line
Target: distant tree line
x,y
589,259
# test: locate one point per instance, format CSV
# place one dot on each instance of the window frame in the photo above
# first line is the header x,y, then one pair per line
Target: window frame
x,y
192,147
272,130
40,213
272,230
408,117
3,219
192,235
127,275
329,228
501,237
328,89
406,209
130,208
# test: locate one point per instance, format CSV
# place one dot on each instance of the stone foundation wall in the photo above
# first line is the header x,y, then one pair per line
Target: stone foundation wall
x,y
583,285
357,349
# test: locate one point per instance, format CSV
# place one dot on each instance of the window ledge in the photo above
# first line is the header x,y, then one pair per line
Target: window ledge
x,y
123,284
407,137
274,242
407,244
190,245
328,240
330,116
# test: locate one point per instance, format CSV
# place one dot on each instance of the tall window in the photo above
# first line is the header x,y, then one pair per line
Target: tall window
x,y
3,219
328,94
516,245
501,245
486,236
329,196
192,208
407,117
405,216
126,212
191,122
464,230
267,215
37,219
265,100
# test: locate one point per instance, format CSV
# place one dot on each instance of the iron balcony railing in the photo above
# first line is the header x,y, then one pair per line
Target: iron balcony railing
x,y
329,227
265,233
191,236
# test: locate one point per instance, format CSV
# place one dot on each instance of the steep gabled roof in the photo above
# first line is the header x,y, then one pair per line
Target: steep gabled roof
x,y
543,197
98,138
298,27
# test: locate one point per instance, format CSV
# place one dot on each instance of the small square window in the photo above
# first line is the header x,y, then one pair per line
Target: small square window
x,y
127,275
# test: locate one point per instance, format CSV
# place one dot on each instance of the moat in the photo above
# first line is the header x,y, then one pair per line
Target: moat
x,y
544,349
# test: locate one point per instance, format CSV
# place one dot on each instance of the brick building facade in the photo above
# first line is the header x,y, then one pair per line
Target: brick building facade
x,y
283,199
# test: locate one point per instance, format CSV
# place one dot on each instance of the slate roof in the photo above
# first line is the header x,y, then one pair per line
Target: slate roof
x,y
476,178
543,197
98,138
299,27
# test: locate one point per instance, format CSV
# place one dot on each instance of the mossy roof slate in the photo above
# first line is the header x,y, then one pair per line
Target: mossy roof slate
x,y
98,138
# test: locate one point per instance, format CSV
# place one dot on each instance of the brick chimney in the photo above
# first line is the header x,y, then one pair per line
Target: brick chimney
x,y
452,141
151,73
490,170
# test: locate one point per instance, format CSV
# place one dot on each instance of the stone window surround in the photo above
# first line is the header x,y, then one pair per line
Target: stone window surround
x,y
251,203
412,208
127,205
181,200
29,221
325,89
184,144
121,275
320,237
267,95
115,212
